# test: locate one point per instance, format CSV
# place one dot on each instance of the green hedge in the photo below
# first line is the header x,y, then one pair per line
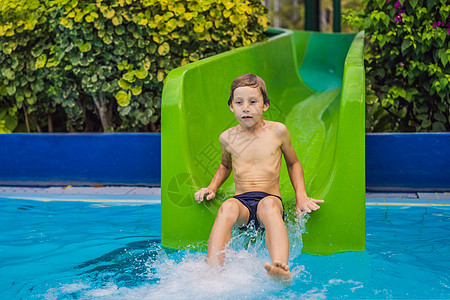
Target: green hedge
x,y
407,64
78,65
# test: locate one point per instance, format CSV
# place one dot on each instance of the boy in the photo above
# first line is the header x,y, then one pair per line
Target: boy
x,y
256,171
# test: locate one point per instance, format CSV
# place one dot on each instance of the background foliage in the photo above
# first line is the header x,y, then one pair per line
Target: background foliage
x,y
79,65
291,13
407,64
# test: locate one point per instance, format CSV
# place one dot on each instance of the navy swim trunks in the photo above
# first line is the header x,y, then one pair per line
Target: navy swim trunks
x,y
251,200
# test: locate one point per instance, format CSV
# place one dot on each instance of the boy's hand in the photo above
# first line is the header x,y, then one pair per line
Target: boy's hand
x,y
204,192
307,204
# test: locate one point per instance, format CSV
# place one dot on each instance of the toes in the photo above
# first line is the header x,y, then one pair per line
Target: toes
x,y
278,264
267,266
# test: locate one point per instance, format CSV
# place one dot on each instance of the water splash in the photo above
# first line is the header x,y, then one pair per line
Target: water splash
x,y
164,274
186,275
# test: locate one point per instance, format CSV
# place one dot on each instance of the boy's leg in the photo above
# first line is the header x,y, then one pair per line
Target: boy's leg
x,y
231,212
270,213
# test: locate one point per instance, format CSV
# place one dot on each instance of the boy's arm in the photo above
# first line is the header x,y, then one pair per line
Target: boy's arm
x,y
295,170
222,173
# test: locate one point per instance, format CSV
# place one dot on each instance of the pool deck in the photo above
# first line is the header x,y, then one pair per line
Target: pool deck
x,y
129,194
153,195
409,199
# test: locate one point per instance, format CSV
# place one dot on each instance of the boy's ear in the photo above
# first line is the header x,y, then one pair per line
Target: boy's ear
x,y
231,107
266,106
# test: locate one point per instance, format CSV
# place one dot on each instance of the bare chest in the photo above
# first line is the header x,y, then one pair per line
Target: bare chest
x,y
256,148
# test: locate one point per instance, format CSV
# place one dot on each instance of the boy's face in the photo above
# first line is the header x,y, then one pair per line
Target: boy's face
x,y
248,106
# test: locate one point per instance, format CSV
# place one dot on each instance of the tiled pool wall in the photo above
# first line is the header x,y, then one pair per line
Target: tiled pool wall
x,y
80,159
417,162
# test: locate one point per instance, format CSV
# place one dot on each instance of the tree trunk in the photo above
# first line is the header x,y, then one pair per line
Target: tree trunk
x,y
103,110
88,124
50,122
35,121
26,118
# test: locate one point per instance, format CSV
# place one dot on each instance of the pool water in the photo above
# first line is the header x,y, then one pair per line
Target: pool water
x,y
85,250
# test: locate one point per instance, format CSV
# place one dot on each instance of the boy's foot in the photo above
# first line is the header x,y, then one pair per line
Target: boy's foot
x,y
278,270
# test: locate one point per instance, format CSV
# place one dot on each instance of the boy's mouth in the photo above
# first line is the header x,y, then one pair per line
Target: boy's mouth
x,y
246,117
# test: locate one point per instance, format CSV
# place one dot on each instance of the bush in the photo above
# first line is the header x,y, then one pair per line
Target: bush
x,y
407,64
82,65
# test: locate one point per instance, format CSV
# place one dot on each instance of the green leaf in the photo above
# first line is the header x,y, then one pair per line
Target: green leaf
x,y
380,72
123,98
228,4
124,84
438,127
161,75
234,19
8,73
152,48
154,118
442,53
439,117
40,62
136,90
119,30
413,3
117,20
14,63
11,90
386,20
106,87
410,93
32,99
107,39
444,82
51,62
11,122
405,45
426,123
422,117
109,13
86,47
19,98
129,76
442,107
141,74
3,112
171,25
89,19
125,111
163,49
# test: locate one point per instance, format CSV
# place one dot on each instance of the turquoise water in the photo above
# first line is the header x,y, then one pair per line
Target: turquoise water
x,y
81,250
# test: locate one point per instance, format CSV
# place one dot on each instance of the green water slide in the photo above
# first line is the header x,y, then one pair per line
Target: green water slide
x,y
316,85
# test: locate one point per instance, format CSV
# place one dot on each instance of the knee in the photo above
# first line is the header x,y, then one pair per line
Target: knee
x,y
269,207
228,210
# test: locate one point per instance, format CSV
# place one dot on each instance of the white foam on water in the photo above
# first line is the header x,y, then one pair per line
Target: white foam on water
x,y
185,274
64,289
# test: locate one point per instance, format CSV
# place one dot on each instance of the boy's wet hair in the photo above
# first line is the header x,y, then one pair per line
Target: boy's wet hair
x,y
250,80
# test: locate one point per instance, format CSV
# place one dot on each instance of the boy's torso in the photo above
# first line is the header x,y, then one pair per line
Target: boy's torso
x,y
256,158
